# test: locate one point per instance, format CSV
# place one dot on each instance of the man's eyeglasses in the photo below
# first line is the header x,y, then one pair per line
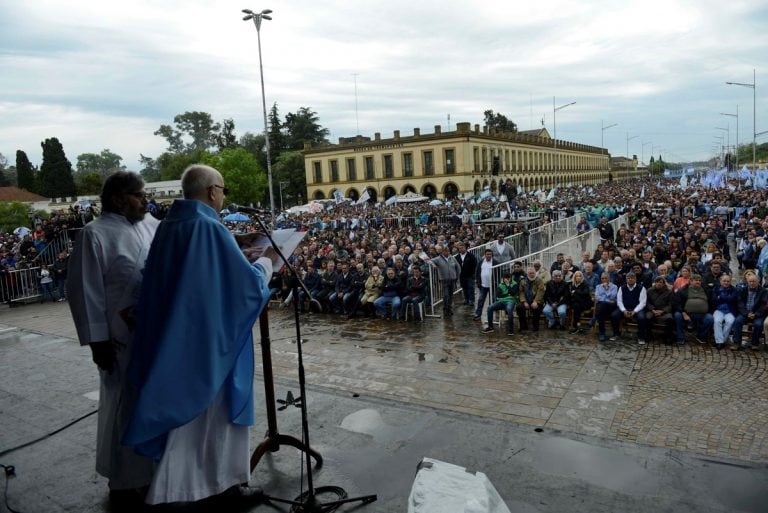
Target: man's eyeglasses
x,y
225,190
139,195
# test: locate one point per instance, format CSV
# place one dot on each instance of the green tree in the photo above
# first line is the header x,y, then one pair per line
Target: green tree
x,y
290,168
276,135
227,138
56,178
173,165
256,146
4,180
25,173
89,183
499,122
303,126
150,169
12,215
173,137
246,180
197,126
102,163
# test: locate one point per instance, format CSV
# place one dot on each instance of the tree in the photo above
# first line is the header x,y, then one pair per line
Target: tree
x,y
499,122
197,126
173,165
200,127
303,126
89,183
4,181
246,180
175,144
290,168
256,146
12,215
276,136
227,138
150,170
101,163
56,178
25,173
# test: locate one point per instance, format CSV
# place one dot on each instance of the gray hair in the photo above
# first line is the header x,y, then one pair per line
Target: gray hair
x,y
196,179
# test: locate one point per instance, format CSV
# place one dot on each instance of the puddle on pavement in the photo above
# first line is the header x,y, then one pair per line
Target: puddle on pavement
x,y
599,466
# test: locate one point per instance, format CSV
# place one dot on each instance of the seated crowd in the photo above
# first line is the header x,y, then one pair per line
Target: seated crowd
x,y
667,271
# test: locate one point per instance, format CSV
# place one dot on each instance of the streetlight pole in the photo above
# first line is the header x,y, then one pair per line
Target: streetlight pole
x,y
554,124
753,86
257,18
642,150
727,131
281,194
629,139
602,131
737,131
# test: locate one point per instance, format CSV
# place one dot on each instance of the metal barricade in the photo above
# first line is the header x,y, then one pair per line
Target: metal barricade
x,y
51,251
573,246
20,285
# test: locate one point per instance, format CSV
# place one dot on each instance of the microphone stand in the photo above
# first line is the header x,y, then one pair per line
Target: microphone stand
x,y
307,502
273,439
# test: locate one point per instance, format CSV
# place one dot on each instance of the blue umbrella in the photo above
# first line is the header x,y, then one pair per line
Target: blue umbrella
x,y
237,217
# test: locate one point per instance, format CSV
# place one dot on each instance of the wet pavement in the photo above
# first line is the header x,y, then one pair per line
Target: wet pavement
x,y
558,422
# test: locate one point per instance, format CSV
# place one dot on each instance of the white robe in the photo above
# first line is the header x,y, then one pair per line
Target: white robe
x,y
104,280
205,456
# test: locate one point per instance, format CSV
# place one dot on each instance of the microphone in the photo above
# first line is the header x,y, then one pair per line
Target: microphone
x,y
233,207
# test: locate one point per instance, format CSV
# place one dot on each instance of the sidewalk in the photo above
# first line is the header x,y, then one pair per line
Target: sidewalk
x,y
621,428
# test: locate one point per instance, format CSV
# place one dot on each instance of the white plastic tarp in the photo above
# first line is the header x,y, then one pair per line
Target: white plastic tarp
x,y
441,487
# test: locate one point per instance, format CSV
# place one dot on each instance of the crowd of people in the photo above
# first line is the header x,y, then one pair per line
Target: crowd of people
x,y
361,262
175,355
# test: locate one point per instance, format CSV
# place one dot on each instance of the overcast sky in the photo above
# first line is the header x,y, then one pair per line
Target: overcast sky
x,y
104,74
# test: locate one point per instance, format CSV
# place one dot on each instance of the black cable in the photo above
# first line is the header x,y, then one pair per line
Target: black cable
x,y
9,471
27,444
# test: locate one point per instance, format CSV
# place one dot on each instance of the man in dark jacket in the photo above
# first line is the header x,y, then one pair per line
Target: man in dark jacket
x,y
468,264
752,308
658,309
691,307
414,293
556,301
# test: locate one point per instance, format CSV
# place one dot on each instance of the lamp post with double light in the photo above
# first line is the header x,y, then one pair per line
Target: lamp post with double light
x,y
737,131
602,132
554,124
257,19
752,86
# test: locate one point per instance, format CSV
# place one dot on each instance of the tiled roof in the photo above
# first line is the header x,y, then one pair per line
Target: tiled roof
x,y
16,194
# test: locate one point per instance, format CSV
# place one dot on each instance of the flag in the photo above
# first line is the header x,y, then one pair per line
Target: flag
x,y
391,200
683,182
338,196
551,194
642,192
744,173
364,198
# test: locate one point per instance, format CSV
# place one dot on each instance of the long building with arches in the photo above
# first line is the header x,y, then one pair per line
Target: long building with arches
x,y
447,164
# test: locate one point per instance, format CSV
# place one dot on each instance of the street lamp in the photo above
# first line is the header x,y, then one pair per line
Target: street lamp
x,y
257,18
554,124
737,131
281,194
629,139
642,151
753,86
728,136
602,132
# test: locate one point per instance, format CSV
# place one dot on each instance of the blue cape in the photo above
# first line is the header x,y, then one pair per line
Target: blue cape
x,y
199,300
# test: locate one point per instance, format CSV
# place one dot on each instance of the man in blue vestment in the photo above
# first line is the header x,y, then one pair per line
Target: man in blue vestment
x,y
193,362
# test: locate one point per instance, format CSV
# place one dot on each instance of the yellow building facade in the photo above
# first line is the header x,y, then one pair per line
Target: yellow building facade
x,y
450,164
